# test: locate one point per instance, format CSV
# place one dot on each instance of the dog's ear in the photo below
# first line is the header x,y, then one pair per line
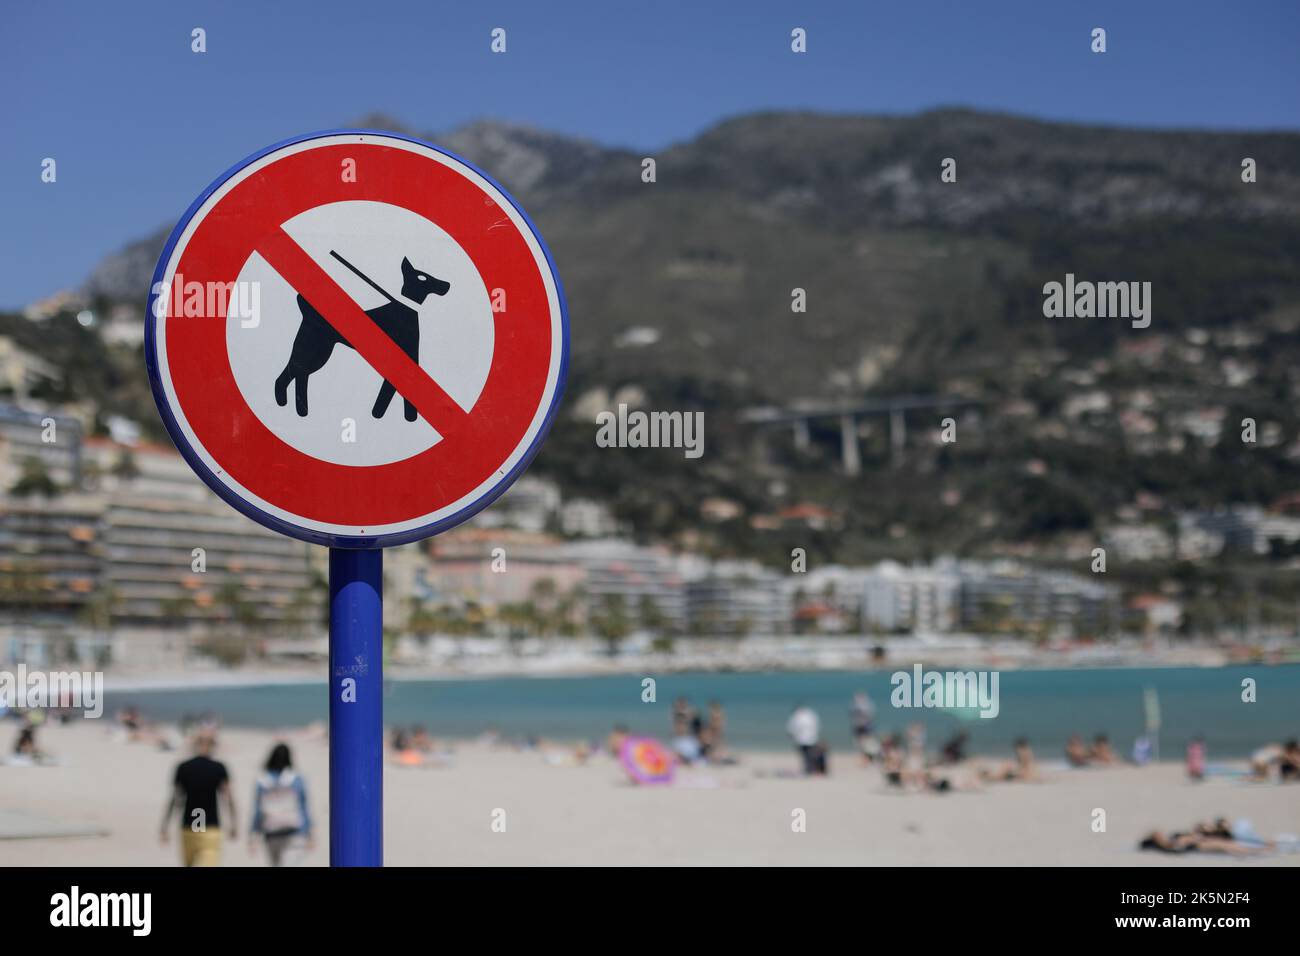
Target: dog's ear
x,y
408,270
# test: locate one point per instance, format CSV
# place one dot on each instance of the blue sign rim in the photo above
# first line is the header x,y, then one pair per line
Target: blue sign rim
x,y
274,522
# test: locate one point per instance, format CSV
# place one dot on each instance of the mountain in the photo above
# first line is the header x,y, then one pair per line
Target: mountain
x,y
533,162
124,275
680,292
852,210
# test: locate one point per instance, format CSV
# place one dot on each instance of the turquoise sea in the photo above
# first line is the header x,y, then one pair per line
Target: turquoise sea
x,y
1043,705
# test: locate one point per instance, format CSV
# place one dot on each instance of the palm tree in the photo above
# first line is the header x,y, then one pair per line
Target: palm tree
x,y
568,611
544,598
520,619
649,615
299,612
178,607
421,622
34,479
98,612
230,644
611,622
125,467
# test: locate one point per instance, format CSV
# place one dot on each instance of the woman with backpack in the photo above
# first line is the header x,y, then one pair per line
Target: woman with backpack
x,y
279,806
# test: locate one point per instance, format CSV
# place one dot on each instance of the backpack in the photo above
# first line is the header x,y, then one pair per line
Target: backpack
x,y
281,813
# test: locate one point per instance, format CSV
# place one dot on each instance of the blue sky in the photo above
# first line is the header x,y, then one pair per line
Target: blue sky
x,y
139,124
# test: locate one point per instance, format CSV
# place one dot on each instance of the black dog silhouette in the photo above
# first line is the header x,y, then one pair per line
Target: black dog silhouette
x,y
316,338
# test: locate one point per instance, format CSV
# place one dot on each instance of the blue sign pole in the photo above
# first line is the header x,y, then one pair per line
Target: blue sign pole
x,y
356,688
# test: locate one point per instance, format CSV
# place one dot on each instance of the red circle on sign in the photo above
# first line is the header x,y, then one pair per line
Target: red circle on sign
x,y
473,447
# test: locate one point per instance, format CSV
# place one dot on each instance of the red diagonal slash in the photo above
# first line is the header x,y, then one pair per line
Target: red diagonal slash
x,y
350,321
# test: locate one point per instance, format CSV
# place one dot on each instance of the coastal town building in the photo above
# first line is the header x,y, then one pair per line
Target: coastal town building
x,y
119,549
737,599
1008,597
51,572
176,554
493,567
923,599
530,504
1249,529
1138,542
21,371
640,582
111,549
583,518
38,448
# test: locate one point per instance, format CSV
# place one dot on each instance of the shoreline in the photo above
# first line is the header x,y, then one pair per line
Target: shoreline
x,y
240,678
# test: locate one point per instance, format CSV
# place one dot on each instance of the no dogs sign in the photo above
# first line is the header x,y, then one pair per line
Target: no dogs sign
x,y
356,338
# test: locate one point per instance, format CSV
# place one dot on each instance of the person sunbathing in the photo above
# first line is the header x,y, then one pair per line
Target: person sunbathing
x,y
1024,767
895,767
1203,838
1285,757
1289,768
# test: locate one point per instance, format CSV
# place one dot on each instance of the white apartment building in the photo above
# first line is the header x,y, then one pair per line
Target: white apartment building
x,y
636,575
737,599
925,599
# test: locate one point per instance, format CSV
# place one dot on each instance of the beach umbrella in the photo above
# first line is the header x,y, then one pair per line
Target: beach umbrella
x,y
647,760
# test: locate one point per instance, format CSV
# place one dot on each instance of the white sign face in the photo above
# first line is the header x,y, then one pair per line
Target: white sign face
x,y
456,330
356,339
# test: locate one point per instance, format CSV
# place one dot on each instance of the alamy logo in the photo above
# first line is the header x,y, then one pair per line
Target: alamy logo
x,y
951,690
638,429
203,300
31,690
133,910
1102,300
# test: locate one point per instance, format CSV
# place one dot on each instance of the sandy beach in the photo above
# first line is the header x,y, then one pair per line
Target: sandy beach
x,y
562,813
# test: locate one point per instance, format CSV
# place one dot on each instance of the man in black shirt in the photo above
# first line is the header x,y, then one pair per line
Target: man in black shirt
x,y
196,787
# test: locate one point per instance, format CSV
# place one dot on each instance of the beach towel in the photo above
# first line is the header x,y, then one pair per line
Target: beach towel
x,y
1243,831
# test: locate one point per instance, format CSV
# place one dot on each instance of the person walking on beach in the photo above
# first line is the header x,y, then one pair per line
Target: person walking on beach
x,y
686,720
199,784
862,714
279,807
1196,758
804,728
26,751
715,733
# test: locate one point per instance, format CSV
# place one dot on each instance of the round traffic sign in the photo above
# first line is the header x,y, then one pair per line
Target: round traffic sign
x,y
356,338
